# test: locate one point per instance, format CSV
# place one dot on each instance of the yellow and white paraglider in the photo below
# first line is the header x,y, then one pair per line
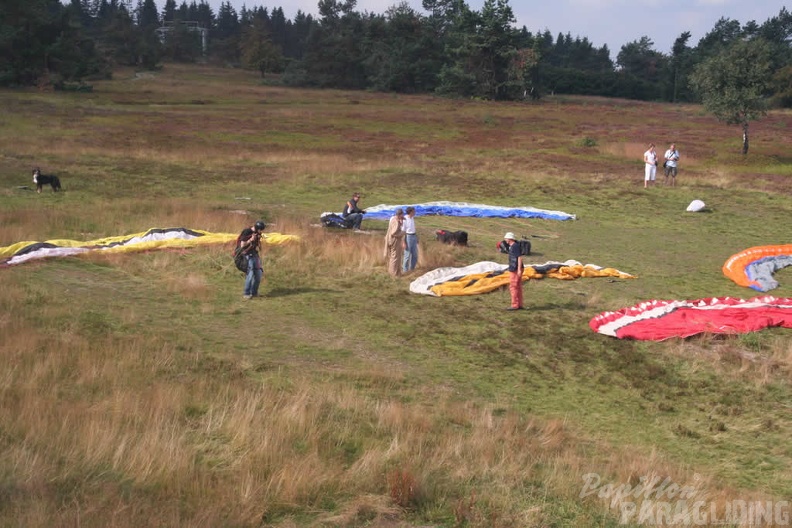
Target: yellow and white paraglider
x,y
155,238
484,277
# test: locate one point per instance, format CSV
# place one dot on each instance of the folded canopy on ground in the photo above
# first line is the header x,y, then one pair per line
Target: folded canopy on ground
x,y
484,277
659,320
383,211
754,267
156,238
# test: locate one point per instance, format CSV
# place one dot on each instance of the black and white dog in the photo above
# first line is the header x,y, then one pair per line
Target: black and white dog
x,y
42,179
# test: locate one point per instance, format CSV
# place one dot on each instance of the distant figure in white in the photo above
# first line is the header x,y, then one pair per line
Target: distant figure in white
x,y
650,171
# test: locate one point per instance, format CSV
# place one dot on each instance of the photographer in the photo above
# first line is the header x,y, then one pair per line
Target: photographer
x,y
671,159
352,213
249,241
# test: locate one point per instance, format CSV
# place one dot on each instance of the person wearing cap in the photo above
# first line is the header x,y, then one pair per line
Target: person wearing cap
x,y
249,241
352,213
410,240
394,243
516,267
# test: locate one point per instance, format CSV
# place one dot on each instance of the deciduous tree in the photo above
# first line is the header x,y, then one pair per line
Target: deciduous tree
x,y
257,49
733,84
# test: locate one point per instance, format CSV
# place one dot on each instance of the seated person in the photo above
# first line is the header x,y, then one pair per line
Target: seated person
x,y
352,213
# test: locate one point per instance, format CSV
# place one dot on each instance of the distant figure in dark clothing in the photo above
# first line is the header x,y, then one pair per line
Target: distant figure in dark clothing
x,y
353,213
250,243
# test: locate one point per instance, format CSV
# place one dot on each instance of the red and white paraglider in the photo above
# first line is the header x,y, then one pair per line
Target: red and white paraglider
x,y
660,320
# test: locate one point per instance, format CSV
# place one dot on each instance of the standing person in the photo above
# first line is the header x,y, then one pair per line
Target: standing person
x,y
650,171
671,159
353,213
394,243
410,241
516,268
249,241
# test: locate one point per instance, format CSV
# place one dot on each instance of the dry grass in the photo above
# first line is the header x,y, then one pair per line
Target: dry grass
x,y
351,253
720,178
633,151
731,359
266,451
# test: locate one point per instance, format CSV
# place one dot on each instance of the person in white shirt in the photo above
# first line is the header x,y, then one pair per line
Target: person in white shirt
x,y
410,241
650,172
671,159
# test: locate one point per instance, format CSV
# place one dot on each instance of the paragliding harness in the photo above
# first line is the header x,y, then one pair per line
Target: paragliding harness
x,y
525,246
335,220
240,255
456,238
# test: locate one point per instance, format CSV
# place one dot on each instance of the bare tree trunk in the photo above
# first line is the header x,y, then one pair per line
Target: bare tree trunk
x,y
745,139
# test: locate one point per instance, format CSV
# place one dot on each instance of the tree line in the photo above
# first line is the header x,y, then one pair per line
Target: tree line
x,y
451,50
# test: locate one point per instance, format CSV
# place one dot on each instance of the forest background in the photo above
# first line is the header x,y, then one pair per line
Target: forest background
x,y
454,50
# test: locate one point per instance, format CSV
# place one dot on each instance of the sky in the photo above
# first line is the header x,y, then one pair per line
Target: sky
x,y
611,22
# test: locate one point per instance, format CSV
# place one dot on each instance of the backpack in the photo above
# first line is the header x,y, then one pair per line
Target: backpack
x,y
240,260
456,238
239,255
525,246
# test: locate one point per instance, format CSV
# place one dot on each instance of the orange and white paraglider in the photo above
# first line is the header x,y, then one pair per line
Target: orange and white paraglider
x,y
754,267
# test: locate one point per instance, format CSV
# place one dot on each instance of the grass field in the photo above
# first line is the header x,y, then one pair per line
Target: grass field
x,y
142,390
